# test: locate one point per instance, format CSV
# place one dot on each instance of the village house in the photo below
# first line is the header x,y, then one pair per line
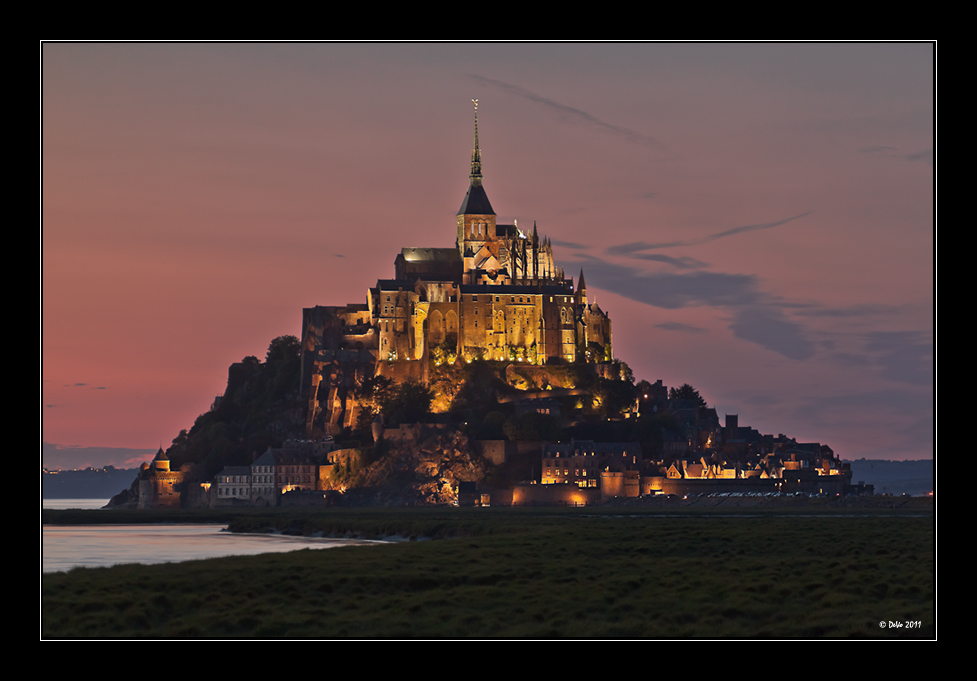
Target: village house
x,y
297,466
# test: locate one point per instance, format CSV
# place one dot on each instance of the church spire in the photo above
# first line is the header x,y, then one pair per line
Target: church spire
x,y
475,201
476,176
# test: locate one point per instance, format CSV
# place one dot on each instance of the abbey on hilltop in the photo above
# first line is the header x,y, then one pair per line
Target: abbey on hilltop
x,y
497,295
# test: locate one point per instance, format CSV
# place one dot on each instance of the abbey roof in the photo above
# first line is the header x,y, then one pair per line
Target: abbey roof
x,y
476,201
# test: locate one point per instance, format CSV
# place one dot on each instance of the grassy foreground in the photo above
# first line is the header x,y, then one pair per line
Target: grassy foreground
x,y
531,573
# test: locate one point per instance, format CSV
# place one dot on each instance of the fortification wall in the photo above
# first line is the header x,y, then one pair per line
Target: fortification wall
x,y
400,371
554,495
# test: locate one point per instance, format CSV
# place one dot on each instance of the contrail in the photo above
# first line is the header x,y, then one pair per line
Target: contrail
x,y
577,114
625,249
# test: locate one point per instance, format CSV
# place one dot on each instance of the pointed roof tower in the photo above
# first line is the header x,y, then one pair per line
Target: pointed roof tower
x,y
161,462
476,202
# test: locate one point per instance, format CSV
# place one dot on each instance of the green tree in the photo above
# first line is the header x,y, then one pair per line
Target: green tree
x,y
375,392
614,397
283,348
489,428
686,392
409,402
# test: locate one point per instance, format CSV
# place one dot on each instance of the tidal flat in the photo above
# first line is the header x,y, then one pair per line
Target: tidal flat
x,y
526,573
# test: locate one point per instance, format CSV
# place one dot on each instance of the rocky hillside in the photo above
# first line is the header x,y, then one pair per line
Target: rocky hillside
x,y
261,407
418,472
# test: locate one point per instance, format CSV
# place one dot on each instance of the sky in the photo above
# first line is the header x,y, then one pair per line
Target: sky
x,y
757,219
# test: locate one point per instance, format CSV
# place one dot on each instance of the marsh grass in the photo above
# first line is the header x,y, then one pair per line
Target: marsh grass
x,y
529,575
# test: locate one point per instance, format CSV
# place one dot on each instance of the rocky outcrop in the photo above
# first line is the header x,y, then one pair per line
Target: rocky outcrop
x,y
425,471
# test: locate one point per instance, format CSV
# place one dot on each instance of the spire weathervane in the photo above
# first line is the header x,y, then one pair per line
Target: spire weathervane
x,y
476,176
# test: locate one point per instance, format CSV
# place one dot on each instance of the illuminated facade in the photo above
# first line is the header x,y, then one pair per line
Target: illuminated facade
x,y
293,467
582,462
497,295
234,484
158,485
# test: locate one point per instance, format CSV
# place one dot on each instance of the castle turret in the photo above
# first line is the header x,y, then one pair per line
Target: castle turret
x,y
581,290
161,462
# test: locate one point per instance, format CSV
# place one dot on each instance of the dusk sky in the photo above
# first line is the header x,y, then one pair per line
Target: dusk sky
x,y
758,219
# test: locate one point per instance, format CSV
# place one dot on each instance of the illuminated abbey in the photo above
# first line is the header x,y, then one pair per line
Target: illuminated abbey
x,y
496,295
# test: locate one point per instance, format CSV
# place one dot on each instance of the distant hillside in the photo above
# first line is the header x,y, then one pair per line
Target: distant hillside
x,y
91,483
895,477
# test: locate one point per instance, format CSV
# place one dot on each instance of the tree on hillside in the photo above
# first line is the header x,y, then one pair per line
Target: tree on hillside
x,y
371,393
409,402
644,390
686,392
489,428
625,373
260,407
613,397
283,348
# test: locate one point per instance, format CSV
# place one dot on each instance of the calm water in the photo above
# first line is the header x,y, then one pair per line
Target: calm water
x,y
66,546
74,503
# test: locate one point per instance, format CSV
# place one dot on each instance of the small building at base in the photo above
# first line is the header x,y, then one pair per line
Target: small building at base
x,y
158,485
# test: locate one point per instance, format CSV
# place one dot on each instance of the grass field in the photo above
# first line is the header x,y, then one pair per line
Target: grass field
x,y
523,573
